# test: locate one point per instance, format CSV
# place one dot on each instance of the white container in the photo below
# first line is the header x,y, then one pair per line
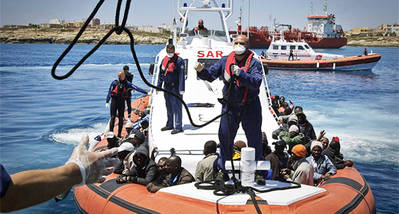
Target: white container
x,y
248,166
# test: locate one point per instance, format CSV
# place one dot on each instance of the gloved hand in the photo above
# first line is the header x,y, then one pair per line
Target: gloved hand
x,y
236,70
181,92
106,105
93,165
199,66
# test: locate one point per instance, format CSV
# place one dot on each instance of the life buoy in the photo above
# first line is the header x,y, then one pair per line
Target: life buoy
x,y
318,57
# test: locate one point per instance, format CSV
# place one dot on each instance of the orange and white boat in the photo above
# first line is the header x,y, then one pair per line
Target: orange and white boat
x,y
345,192
305,58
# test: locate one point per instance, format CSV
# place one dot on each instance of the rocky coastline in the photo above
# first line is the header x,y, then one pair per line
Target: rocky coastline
x,y
65,36
373,41
94,35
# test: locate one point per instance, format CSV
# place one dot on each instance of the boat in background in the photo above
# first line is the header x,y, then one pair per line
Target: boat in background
x,y
321,32
305,58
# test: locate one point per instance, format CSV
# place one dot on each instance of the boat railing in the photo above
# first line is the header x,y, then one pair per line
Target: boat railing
x,y
180,152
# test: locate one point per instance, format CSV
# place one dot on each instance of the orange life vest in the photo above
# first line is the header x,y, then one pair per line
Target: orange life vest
x,y
168,65
119,91
232,60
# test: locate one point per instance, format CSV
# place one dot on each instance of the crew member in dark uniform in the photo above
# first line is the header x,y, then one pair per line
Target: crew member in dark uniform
x,y
291,56
244,99
172,76
129,78
200,28
118,90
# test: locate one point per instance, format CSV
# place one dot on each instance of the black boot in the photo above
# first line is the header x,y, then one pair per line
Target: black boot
x,y
259,178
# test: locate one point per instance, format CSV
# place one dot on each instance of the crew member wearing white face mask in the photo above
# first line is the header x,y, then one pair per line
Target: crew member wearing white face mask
x,y
244,100
172,76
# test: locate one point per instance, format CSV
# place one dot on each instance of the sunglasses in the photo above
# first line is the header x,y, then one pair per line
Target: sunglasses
x,y
239,43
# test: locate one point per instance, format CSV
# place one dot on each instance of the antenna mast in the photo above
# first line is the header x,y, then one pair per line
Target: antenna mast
x,y
325,8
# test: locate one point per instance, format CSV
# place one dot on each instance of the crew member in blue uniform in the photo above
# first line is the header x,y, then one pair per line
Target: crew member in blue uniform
x,y
172,76
244,99
119,90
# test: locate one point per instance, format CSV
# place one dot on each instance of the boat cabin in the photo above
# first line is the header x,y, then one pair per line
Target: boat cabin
x,y
292,50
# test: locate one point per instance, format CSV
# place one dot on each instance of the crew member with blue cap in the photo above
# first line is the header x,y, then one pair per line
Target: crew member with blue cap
x,y
173,78
244,99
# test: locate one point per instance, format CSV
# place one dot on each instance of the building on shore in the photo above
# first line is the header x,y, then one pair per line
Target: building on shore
x,y
17,26
362,31
389,29
58,23
381,30
95,22
151,29
165,28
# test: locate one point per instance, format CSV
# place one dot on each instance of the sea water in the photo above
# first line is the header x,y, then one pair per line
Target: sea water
x,y
43,118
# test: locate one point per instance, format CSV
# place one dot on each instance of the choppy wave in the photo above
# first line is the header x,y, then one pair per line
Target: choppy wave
x,y
368,150
73,135
359,141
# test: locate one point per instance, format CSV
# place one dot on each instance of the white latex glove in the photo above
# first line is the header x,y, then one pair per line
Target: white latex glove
x,y
236,70
106,105
181,92
199,66
93,165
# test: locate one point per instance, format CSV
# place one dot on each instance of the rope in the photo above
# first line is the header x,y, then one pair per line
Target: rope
x,y
221,189
118,29
218,186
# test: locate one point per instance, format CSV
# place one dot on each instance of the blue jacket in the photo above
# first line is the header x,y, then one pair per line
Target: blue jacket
x,y
175,79
251,79
321,167
137,124
128,86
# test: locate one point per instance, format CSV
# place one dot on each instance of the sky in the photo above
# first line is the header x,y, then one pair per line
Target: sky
x,y
349,13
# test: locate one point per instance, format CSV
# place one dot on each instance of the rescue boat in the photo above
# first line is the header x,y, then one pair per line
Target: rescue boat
x,y
345,192
305,58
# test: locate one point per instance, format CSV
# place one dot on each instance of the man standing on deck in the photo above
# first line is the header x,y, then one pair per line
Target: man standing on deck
x,y
118,92
290,57
129,78
172,76
243,99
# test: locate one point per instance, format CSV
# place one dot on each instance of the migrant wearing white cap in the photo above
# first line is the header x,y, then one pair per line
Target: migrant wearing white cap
x,y
110,135
129,124
128,162
316,143
126,147
293,118
293,128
